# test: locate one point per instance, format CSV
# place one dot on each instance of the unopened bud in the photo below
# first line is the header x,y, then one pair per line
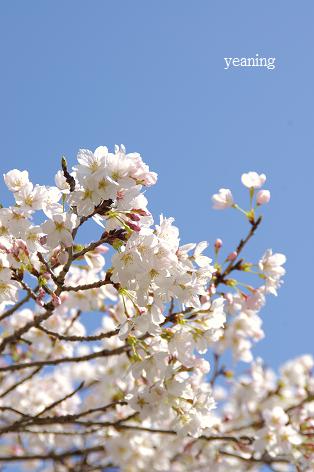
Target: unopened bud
x,y
141,212
232,256
218,244
133,217
134,227
263,197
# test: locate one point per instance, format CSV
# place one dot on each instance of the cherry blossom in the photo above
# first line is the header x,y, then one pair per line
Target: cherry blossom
x,y
253,180
16,180
223,199
59,229
116,352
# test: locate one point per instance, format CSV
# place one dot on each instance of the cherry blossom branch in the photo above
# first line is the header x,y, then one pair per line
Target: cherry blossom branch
x,y
239,440
53,456
71,419
265,459
62,360
154,385
98,284
96,337
220,277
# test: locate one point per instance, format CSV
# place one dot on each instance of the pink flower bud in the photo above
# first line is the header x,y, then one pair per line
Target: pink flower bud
x,y
263,197
133,216
232,256
134,227
141,212
218,244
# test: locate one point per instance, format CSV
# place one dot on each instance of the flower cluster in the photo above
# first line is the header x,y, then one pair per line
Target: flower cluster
x,y
113,351
252,180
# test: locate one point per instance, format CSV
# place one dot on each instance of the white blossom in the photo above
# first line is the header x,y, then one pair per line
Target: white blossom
x,y
15,179
59,229
223,199
253,180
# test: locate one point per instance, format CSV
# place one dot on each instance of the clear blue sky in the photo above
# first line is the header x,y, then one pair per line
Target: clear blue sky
x,y
151,75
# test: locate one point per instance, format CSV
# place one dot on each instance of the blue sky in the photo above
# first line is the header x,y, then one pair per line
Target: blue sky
x,y
151,75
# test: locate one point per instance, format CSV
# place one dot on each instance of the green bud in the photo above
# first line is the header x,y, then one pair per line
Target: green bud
x,y
246,266
42,281
231,283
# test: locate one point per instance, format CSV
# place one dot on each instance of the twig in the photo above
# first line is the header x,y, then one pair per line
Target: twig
x,y
87,357
73,338
220,278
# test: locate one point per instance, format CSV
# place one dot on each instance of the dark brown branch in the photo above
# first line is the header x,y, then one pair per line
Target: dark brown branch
x,y
71,419
87,357
78,288
52,456
220,278
14,410
96,337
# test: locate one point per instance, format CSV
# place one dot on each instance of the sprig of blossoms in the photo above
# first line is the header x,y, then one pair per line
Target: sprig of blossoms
x,y
147,388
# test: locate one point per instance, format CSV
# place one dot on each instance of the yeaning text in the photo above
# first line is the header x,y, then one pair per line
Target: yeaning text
x,y
256,61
